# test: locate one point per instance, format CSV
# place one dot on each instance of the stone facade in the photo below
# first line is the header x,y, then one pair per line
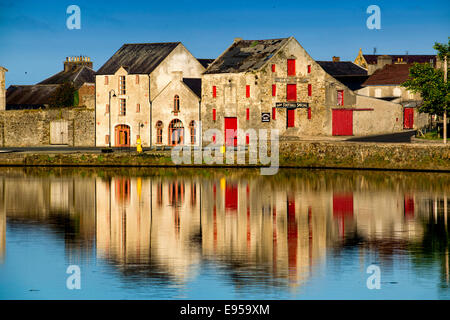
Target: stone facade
x,y
141,115
86,96
25,128
231,97
2,88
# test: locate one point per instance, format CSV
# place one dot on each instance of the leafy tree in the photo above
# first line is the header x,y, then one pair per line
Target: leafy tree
x,y
64,96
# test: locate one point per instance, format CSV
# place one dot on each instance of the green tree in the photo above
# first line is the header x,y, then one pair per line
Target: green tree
x,y
64,96
432,85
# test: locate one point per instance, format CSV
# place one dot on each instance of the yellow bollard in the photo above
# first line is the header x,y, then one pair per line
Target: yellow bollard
x,y
138,146
222,149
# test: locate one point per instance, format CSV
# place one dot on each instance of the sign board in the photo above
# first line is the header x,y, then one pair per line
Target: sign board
x,y
291,80
265,117
291,105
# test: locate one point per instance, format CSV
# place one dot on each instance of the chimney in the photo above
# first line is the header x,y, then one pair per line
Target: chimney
x,y
2,88
72,63
177,75
383,60
336,59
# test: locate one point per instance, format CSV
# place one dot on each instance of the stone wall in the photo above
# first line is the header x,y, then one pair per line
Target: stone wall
x,y
26,128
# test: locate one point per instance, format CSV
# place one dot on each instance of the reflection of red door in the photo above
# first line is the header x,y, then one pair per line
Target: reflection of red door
x,y
230,131
409,206
290,118
408,118
292,234
122,135
231,197
342,122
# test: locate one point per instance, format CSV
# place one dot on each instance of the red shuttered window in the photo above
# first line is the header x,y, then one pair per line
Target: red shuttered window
x,y
309,113
247,91
137,79
214,115
247,114
214,92
291,67
138,108
309,68
107,139
309,90
273,68
291,92
274,110
106,80
274,90
340,97
107,108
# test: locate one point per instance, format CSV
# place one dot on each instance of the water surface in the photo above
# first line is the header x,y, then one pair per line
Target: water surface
x,y
223,234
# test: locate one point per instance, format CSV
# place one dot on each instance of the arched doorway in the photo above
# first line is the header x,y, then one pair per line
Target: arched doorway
x,y
122,135
176,132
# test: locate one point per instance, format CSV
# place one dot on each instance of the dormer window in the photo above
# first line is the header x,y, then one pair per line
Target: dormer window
x,y
176,104
122,85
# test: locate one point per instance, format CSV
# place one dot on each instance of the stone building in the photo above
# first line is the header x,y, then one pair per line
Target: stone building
x,y
2,88
276,84
150,91
77,70
373,62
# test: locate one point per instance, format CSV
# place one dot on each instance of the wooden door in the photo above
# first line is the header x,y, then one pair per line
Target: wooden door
x,y
290,118
342,122
122,136
231,131
408,118
59,132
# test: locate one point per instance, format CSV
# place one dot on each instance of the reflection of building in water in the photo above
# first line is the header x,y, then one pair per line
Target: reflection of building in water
x,y
2,222
65,204
143,221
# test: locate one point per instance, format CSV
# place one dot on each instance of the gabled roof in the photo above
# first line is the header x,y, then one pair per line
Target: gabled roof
x,y
245,55
205,62
407,58
390,74
342,68
3,68
139,58
34,95
195,84
77,76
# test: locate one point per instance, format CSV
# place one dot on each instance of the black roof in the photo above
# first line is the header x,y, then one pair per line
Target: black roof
x,y
205,62
246,55
342,68
138,58
195,84
77,76
29,96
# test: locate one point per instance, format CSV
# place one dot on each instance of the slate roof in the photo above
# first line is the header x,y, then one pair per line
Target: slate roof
x,y
407,58
390,74
195,84
29,96
342,68
205,62
245,55
138,58
77,76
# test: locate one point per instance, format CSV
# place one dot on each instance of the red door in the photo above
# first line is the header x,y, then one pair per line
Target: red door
x,y
342,122
408,118
122,135
290,118
230,131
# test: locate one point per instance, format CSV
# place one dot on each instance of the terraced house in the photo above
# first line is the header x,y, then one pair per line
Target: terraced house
x,y
151,92
276,84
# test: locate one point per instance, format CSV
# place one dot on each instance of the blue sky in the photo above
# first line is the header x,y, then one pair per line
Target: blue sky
x,y
34,39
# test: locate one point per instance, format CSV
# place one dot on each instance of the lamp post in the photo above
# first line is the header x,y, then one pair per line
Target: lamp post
x,y
109,112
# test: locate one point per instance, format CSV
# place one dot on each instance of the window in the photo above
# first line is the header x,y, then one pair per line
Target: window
x,y
214,92
340,97
247,91
309,113
107,108
309,68
122,85
192,129
274,90
138,108
137,79
291,92
247,114
159,129
309,90
123,107
273,68
291,67
106,80
176,104
274,110
107,139
214,114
